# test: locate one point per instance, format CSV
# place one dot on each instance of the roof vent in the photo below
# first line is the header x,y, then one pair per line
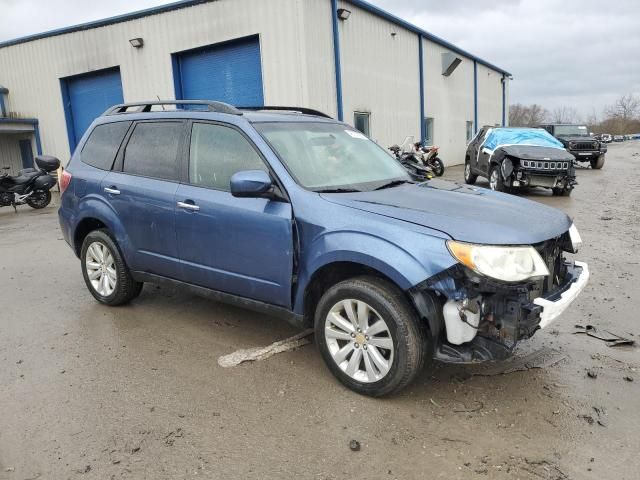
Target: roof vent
x,y
449,63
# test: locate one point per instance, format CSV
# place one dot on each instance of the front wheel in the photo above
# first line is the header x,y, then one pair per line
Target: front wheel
x,y
562,192
598,163
370,337
105,272
437,166
39,199
496,182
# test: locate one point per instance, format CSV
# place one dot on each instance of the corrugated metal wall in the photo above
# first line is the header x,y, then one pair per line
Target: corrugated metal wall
x,y
32,70
380,75
489,96
449,101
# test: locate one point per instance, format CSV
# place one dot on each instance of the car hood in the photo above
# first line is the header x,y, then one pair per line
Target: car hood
x,y
465,213
532,152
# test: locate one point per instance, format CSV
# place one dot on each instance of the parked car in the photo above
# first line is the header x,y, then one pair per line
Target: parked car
x,y
295,214
606,138
513,158
579,143
618,138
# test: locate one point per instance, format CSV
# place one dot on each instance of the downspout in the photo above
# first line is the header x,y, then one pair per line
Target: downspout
x,y
336,57
475,97
423,126
504,104
36,132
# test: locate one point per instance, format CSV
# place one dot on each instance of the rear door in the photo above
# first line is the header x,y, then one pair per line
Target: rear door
x,y
242,246
142,189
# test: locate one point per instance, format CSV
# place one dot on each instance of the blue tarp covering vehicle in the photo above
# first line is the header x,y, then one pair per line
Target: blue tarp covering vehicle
x,y
537,137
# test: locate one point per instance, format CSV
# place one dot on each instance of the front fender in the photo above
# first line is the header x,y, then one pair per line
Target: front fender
x,y
405,266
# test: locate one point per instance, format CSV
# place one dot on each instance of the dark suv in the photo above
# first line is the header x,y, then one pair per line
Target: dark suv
x,y
579,143
295,214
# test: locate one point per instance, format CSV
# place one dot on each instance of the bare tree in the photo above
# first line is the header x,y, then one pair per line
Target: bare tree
x,y
627,107
564,115
526,115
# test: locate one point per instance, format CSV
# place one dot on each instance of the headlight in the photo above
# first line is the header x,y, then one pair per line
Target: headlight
x,y
576,240
509,264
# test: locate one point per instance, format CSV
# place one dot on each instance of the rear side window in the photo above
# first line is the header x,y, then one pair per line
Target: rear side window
x,y
103,144
152,150
216,153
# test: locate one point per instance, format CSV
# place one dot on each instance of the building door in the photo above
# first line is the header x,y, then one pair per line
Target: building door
x,y
230,72
86,97
26,152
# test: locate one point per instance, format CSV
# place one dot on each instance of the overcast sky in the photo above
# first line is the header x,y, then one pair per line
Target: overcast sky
x,y
576,53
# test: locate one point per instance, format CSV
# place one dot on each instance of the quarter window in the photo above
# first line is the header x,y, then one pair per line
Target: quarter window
x,y
361,122
216,153
102,146
152,150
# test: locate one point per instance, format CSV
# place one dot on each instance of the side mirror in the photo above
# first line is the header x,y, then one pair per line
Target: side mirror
x,y
251,183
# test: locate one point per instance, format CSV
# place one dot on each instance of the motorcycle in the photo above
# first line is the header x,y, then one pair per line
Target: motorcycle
x,y
411,160
31,186
430,158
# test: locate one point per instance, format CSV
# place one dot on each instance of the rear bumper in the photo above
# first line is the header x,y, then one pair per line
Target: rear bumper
x,y
559,301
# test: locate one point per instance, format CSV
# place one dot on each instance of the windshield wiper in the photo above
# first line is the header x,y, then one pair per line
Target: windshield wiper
x,y
394,183
337,190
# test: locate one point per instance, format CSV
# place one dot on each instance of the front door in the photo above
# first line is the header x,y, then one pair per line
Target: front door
x,y
242,246
142,189
26,152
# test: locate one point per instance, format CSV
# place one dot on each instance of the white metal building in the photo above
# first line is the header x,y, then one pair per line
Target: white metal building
x,y
347,58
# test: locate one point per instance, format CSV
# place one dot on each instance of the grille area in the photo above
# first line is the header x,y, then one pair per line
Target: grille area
x,y
584,146
544,165
551,253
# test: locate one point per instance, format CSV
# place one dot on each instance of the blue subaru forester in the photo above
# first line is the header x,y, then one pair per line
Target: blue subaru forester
x,y
289,212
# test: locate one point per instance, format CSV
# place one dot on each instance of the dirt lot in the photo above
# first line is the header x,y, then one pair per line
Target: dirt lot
x,y
88,391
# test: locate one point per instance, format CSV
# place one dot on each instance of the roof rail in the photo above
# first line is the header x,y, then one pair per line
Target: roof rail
x,y
303,110
212,106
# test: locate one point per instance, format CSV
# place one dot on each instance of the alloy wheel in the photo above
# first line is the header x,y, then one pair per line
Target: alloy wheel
x,y
493,181
359,340
101,269
467,171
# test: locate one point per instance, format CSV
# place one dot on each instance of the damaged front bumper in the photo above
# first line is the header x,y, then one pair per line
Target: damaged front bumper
x,y
475,319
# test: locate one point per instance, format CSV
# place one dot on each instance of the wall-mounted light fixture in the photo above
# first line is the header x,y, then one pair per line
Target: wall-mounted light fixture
x,y
136,42
343,13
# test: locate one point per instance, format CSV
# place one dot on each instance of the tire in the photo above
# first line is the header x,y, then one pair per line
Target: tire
x,y
562,192
125,288
408,340
496,184
437,167
39,199
469,177
598,163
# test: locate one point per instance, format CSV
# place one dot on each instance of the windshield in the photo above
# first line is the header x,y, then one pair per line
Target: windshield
x,y
330,157
571,131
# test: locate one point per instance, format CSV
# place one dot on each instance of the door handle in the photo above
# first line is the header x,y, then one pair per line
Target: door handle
x,y
188,206
112,190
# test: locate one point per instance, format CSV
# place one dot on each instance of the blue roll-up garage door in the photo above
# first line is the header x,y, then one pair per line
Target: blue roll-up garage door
x,y
229,72
86,97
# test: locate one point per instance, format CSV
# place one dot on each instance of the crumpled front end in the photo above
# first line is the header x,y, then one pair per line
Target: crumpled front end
x,y
475,318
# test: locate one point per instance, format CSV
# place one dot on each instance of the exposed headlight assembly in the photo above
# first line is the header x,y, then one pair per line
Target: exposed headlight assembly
x,y
509,264
576,240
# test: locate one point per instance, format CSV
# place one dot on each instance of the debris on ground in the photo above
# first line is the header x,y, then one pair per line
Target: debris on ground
x,y
543,358
592,373
170,439
261,353
479,406
612,339
354,445
628,378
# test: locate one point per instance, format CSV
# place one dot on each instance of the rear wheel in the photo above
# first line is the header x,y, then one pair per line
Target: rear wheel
x,y
598,163
39,199
437,166
105,272
469,177
370,337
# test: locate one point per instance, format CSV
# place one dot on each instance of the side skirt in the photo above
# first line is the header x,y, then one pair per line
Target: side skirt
x,y
273,310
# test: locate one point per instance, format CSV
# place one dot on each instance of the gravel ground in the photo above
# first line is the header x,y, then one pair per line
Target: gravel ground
x,y
88,391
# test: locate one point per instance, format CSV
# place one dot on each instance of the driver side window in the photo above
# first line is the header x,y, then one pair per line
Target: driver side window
x,y
216,153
